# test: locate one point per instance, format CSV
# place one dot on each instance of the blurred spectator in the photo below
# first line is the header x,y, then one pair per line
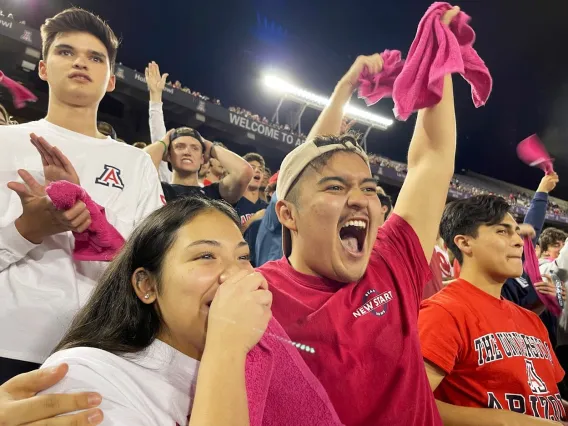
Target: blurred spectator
x,y
251,202
551,242
264,183
216,170
5,118
107,130
386,202
202,175
140,145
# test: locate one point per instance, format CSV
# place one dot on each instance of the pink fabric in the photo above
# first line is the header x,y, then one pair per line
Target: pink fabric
x,y
20,95
532,270
101,241
436,51
373,88
281,389
532,152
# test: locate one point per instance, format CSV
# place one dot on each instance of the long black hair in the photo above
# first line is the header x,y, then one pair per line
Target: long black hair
x,y
115,319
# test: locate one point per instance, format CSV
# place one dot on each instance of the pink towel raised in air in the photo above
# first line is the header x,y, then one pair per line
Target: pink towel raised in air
x,y
281,389
436,51
532,270
101,241
533,153
20,95
373,88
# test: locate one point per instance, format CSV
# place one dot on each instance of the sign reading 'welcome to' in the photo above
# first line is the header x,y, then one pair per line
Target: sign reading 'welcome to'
x,y
265,130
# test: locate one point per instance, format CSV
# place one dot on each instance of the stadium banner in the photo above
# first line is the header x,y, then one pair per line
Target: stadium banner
x,y
20,32
265,130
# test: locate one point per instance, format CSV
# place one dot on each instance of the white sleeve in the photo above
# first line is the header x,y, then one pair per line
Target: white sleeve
x,y
158,132
157,124
118,405
13,246
151,196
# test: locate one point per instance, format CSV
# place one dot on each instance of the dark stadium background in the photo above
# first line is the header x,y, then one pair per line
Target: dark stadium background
x,y
221,48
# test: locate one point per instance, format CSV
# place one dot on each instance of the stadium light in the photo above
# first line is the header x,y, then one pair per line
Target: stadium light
x,y
282,86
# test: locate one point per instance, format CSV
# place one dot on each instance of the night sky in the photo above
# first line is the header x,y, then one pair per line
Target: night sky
x,y
222,48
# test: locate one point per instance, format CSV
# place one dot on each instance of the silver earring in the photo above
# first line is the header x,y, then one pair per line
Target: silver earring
x,y
146,296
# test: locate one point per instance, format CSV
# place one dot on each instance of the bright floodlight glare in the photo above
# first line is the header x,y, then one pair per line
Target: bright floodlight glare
x,y
283,86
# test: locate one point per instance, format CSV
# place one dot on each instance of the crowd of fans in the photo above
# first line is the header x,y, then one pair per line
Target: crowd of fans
x,y
128,275
514,197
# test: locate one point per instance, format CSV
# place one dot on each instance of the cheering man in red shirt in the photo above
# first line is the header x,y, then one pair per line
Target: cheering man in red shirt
x,y
347,292
482,351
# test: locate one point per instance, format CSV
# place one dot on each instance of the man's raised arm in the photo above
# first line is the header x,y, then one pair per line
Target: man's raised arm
x,y
329,121
431,160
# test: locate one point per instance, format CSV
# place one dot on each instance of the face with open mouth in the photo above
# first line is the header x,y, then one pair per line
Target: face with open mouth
x,y
186,154
206,250
257,176
337,219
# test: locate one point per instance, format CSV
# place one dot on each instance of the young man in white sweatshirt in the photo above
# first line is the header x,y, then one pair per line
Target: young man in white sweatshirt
x,y
42,286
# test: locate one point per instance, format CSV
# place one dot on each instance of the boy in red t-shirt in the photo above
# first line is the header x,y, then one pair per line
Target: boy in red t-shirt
x,y
346,292
481,351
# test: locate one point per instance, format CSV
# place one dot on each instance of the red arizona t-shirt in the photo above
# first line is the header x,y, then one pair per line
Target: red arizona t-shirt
x,y
365,336
495,354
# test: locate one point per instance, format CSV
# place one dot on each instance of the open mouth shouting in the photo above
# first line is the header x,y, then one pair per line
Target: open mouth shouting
x,y
353,235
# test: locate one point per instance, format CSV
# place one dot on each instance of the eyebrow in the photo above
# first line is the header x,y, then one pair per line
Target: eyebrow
x,y
343,181
92,52
213,243
509,226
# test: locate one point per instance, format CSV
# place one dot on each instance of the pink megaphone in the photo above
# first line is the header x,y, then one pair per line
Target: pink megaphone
x,y
532,152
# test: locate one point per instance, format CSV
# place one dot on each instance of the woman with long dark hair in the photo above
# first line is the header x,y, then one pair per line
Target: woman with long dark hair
x,y
184,274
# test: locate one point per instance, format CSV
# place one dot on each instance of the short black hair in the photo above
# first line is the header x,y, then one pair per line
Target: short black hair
x,y
76,19
464,217
551,236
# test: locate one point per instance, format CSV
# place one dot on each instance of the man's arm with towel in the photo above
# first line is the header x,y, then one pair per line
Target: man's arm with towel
x,y
431,158
330,121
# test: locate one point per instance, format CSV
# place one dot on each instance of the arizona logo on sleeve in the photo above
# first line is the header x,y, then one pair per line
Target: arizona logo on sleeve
x,y
110,177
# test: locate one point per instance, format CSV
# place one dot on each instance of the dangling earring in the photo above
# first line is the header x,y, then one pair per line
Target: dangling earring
x,y
146,296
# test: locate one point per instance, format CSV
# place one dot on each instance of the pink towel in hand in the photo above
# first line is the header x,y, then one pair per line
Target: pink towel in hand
x,y
532,270
101,241
436,51
281,389
533,153
20,95
373,88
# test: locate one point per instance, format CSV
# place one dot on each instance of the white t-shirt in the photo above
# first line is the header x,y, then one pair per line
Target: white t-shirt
x,y
41,286
154,387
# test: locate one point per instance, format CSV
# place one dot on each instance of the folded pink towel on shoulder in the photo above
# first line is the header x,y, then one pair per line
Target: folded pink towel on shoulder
x,y
281,389
436,51
531,268
101,241
374,87
20,95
